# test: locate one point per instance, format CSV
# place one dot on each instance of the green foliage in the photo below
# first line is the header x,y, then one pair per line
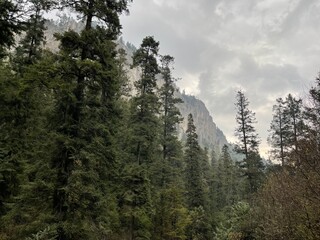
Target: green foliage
x,y
29,49
227,182
135,203
31,148
45,234
198,229
234,223
279,131
287,127
10,24
194,184
172,217
79,160
145,106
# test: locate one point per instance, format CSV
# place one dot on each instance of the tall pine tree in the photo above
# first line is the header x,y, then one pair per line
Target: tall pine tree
x,y
194,185
143,144
194,182
249,142
171,214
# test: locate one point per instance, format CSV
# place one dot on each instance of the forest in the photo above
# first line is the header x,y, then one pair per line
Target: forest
x,y
82,159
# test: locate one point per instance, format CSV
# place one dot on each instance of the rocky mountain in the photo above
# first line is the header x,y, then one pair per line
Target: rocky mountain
x,y
209,134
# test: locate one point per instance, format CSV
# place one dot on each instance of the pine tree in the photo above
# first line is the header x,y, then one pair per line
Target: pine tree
x,y
226,173
213,158
171,216
278,130
249,141
30,46
143,144
145,106
194,186
12,121
312,112
169,117
245,131
287,127
10,24
295,125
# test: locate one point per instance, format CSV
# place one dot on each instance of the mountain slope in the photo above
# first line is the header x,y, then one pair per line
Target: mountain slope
x,y
209,134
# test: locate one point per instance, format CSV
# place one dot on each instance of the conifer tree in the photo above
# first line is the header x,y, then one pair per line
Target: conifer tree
x,y
312,112
245,131
143,144
10,24
249,142
194,186
171,214
170,118
30,46
287,127
295,125
145,106
227,179
278,130
29,209
213,158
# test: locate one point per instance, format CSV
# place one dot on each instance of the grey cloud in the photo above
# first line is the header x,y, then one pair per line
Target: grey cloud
x,y
268,48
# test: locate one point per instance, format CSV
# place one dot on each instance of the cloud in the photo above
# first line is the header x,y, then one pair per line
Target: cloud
x,y
267,48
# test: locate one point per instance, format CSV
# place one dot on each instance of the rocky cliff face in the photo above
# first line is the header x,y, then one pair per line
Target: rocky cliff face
x,y
209,134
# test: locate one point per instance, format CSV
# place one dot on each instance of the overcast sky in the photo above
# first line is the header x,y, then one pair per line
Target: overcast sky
x,y
267,48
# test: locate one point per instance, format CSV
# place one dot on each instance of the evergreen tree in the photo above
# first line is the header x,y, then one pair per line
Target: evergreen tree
x,y
227,180
10,24
249,141
30,46
213,158
171,216
279,131
245,131
11,134
312,112
145,106
194,185
143,143
295,125
287,127
170,115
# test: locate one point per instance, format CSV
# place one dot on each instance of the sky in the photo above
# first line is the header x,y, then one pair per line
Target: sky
x,y
266,48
